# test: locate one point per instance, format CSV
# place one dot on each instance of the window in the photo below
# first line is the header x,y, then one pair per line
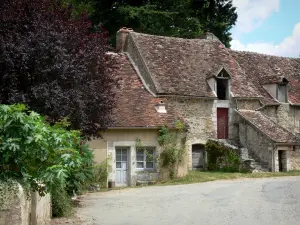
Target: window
x,y
145,158
223,85
282,93
222,89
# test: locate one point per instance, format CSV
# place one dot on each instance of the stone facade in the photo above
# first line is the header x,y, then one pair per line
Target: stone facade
x,y
200,118
295,158
259,147
286,115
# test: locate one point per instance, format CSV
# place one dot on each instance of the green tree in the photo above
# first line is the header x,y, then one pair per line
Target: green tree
x,y
50,61
178,18
36,153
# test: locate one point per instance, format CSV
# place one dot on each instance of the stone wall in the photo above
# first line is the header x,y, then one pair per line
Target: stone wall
x,y
200,117
286,115
248,104
17,208
295,158
259,147
270,111
283,115
40,209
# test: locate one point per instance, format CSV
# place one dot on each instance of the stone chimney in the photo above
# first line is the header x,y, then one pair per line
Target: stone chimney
x,y
121,39
161,107
208,36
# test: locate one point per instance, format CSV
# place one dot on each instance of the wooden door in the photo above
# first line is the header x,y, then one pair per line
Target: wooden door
x,y
222,123
121,166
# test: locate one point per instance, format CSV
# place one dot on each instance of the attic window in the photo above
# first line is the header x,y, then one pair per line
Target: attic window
x,y
223,85
282,92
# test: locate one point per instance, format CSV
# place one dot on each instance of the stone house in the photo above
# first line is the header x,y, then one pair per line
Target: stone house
x,y
247,99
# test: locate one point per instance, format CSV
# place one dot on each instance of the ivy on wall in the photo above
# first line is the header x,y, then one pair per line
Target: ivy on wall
x,y
172,150
221,157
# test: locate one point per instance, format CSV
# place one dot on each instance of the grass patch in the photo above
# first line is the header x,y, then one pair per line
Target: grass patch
x,y
205,176
199,176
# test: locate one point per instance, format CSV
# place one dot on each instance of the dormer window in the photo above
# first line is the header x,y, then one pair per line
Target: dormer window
x,y
222,85
277,87
282,92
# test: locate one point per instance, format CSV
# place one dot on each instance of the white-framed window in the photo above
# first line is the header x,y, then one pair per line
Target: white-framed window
x,y
145,158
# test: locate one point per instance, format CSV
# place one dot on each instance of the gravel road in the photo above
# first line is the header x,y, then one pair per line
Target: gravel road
x,y
240,202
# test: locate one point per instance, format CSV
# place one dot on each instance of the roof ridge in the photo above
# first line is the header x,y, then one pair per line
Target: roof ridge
x,y
263,54
179,38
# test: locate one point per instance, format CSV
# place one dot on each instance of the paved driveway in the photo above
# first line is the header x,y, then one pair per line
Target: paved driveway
x,y
241,202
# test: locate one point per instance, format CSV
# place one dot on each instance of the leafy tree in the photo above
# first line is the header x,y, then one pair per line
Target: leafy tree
x,y
50,61
36,153
179,18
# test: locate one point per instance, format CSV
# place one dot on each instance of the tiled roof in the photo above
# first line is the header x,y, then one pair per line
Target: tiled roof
x,y
268,127
135,105
262,69
181,66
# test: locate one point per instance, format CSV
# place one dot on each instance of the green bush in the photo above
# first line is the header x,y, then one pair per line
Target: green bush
x,y
34,153
62,205
221,157
98,177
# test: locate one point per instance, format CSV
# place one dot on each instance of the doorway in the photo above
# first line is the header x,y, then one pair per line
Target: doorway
x,y
282,161
121,166
198,160
222,123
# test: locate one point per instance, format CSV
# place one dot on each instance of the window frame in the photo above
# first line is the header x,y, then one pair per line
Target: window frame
x,y
144,149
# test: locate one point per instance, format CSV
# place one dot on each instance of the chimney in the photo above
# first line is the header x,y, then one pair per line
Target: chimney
x,y
121,39
208,36
161,107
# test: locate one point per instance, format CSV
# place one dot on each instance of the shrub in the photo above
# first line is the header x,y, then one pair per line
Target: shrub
x,y
35,153
98,177
222,157
61,203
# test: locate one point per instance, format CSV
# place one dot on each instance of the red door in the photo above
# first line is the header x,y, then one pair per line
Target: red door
x,y
222,123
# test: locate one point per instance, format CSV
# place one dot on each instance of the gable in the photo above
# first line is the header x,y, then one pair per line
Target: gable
x,y
135,105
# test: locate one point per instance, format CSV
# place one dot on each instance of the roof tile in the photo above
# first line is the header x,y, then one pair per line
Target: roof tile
x,y
268,127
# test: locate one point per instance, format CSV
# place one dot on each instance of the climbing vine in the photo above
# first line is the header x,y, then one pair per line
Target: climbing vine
x,y
172,148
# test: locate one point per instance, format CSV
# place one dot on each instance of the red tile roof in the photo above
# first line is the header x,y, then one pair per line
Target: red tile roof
x,y
262,69
135,106
181,66
268,127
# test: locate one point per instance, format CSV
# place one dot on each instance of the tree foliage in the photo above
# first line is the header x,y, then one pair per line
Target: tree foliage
x,y
179,18
40,156
50,61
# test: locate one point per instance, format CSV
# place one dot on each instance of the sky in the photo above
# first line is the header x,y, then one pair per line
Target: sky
x,y
267,26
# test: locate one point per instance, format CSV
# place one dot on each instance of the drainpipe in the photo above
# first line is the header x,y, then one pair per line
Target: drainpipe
x,y
273,161
237,105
